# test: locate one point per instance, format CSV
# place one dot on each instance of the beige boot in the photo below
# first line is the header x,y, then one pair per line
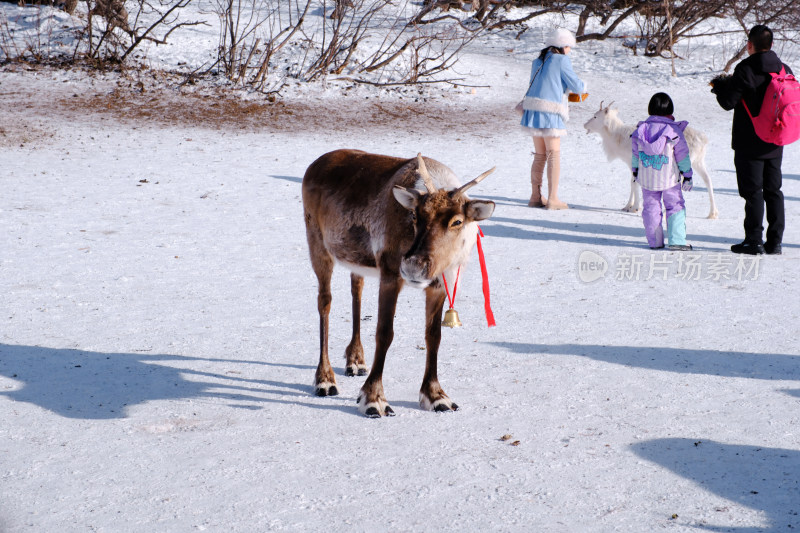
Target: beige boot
x,y
537,173
553,177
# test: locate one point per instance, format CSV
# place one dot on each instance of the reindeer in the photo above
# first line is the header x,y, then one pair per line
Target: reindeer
x,y
365,212
617,145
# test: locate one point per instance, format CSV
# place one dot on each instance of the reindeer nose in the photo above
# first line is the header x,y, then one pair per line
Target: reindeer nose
x,y
415,271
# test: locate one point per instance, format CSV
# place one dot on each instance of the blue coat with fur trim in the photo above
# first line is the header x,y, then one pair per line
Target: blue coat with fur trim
x,y
545,106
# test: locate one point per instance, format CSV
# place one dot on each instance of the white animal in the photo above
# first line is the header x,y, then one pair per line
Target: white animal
x,y
616,137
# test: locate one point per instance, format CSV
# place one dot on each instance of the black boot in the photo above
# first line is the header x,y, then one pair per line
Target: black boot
x,y
749,248
772,249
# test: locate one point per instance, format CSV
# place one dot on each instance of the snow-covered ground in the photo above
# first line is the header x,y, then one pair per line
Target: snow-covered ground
x,y
158,334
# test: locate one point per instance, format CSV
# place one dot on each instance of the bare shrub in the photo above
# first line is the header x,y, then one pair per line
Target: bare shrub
x,y
657,32
264,43
782,16
113,33
42,39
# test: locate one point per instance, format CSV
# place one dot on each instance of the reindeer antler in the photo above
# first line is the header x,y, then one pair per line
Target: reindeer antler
x,y
461,190
426,177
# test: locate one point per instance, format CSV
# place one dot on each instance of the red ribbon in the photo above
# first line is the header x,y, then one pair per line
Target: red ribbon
x,y
487,307
485,275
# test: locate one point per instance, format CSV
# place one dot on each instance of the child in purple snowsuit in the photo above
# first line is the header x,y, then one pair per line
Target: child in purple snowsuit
x,y
660,159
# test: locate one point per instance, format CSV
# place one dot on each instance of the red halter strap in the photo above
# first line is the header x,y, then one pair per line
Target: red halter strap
x,y
451,299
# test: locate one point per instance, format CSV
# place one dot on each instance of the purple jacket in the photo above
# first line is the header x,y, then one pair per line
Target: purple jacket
x,y
660,154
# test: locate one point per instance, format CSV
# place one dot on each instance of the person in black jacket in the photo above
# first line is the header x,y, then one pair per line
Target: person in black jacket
x,y
758,163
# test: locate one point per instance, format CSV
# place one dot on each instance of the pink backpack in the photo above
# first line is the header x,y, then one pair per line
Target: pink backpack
x,y
778,122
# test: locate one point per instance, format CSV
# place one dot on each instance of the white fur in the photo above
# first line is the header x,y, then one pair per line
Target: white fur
x,y
426,404
616,137
380,405
542,132
364,272
377,242
325,385
442,177
531,103
358,367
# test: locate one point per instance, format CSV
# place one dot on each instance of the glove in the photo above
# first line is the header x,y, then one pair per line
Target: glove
x,y
686,186
719,82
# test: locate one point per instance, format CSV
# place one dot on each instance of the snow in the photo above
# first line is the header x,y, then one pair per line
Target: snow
x,y
159,325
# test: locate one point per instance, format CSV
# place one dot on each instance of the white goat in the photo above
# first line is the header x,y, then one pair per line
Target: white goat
x,y
616,137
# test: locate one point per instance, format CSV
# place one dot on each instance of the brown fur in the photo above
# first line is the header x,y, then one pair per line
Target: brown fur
x,y
353,215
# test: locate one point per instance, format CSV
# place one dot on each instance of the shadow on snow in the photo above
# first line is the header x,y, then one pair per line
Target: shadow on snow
x,y
92,385
293,179
764,479
681,360
761,478
591,233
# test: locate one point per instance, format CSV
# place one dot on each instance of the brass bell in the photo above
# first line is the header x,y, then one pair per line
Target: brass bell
x,y
451,319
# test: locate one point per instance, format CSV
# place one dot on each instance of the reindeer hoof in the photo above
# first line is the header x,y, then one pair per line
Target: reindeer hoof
x,y
353,370
374,412
630,209
326,389
374,409
713,214
443,407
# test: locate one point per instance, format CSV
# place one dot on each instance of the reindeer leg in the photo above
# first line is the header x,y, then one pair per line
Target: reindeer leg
x,y
431,395
637,204
631,206
322,263
371,400
355,351
700,167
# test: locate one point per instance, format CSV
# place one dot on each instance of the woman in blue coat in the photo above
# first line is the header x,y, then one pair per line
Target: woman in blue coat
x,y
545,111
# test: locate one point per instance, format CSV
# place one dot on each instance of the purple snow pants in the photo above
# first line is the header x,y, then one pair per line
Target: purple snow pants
x,y
652,215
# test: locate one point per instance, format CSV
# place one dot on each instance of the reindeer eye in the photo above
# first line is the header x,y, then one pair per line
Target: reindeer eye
x,y
456,222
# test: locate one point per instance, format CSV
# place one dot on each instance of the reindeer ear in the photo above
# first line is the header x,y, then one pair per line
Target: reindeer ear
x,y
480,209
408,198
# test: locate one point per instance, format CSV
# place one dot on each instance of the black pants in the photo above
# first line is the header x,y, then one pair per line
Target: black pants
x,y
760,184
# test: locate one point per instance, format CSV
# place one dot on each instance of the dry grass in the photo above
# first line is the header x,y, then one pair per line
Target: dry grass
x,y
152,100
225,112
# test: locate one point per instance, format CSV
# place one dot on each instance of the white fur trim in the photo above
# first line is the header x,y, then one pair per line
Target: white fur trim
x,y
538,104
543,132
560,37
